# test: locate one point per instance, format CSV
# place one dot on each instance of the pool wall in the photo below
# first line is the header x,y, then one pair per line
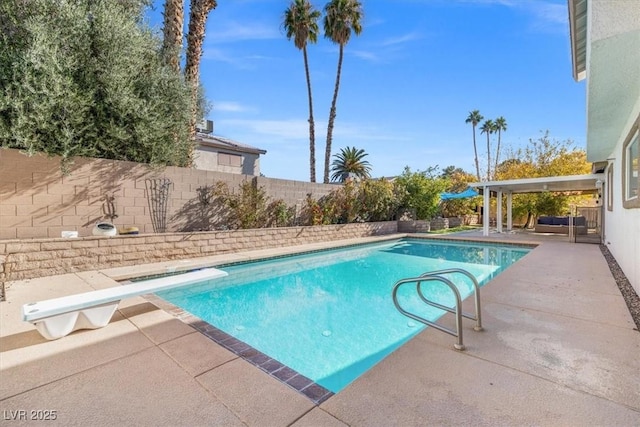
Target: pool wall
x,y
46,257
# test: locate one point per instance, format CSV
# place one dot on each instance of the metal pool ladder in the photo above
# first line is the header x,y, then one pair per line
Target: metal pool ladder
x,y
438,276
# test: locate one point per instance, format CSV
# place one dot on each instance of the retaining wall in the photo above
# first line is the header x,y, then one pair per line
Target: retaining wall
x,y
44,257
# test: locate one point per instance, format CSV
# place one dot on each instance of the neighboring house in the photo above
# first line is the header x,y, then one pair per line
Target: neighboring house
x,y
605,44
219,154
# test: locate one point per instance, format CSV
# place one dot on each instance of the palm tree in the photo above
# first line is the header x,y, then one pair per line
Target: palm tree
x,y
173,33
350,161
474,118
488,127
500,126
195,38
341,17
301,23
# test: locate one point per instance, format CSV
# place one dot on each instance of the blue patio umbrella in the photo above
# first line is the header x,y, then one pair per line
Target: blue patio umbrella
x,y
469,192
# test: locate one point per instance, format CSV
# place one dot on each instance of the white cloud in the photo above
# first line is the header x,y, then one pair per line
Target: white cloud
x,y
547,14
364,54
298,129
230,106
235,31
401,39
246,62
290,129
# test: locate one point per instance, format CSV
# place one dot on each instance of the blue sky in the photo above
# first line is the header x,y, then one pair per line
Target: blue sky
x,y
408,81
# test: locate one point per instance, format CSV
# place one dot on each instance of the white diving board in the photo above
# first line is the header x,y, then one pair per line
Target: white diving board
x,y
58,317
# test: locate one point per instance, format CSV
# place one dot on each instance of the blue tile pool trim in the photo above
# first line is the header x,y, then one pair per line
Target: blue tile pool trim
x,y
313,391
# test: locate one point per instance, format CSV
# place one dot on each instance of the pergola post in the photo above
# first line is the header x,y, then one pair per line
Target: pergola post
x,y
499,212
509,211
485,211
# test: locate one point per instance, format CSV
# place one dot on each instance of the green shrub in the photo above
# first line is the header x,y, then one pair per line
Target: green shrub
x,y
365,201
246,208
422,191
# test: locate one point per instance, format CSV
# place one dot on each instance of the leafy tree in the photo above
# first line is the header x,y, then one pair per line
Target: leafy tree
x,y
85,78
421,191
350,161
301,23
543,157
341,18
488,127
500,126
474,118
451,171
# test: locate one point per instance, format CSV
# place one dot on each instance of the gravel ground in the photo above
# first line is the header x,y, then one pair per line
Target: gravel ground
x,y
628,293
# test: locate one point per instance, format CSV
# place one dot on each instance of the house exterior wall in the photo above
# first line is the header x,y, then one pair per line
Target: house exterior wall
x,y
622,226
613,56
207,158
37,201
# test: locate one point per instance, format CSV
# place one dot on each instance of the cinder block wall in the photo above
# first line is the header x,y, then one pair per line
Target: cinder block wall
x,y
44,257
37,200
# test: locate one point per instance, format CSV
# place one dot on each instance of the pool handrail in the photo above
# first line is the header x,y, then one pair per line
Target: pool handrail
x,y
438,276
476,293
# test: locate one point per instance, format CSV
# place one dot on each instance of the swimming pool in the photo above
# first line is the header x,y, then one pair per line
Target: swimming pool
x,y
329,315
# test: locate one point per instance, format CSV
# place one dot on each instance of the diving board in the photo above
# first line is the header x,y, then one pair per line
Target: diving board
x,y
58,317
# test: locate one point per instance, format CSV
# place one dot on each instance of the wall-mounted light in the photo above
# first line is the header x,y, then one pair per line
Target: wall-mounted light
x,y
599,184
545,187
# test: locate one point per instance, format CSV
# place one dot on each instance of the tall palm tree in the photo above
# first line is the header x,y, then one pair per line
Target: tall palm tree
x,y
474,118
488,127
350,161
500,126
195,38
301,23
341,17
173,32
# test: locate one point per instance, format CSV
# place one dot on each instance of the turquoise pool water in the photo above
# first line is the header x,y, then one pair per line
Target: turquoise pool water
x,y
329,315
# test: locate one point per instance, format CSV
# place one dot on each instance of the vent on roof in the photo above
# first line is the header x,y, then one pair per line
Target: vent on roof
x,y
205,126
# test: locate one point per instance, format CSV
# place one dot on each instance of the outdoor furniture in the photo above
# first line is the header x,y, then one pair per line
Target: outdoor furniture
x,y
560,225
55,318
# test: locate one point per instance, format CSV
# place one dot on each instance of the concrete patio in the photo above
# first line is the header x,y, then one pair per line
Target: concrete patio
x,y
559,348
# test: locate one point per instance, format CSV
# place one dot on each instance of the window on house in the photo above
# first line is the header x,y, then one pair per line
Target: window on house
x,y
631,165
225,159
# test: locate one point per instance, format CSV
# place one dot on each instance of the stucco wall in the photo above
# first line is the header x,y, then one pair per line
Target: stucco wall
x,y
206,158
622,226
37,200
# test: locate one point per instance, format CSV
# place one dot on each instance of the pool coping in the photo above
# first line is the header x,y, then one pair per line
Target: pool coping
x,y
276,369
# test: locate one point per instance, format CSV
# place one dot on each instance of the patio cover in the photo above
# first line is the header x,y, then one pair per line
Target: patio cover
x,y
584,183
590,183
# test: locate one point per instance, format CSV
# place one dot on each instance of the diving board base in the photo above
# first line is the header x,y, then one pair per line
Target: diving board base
x,y
61,325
